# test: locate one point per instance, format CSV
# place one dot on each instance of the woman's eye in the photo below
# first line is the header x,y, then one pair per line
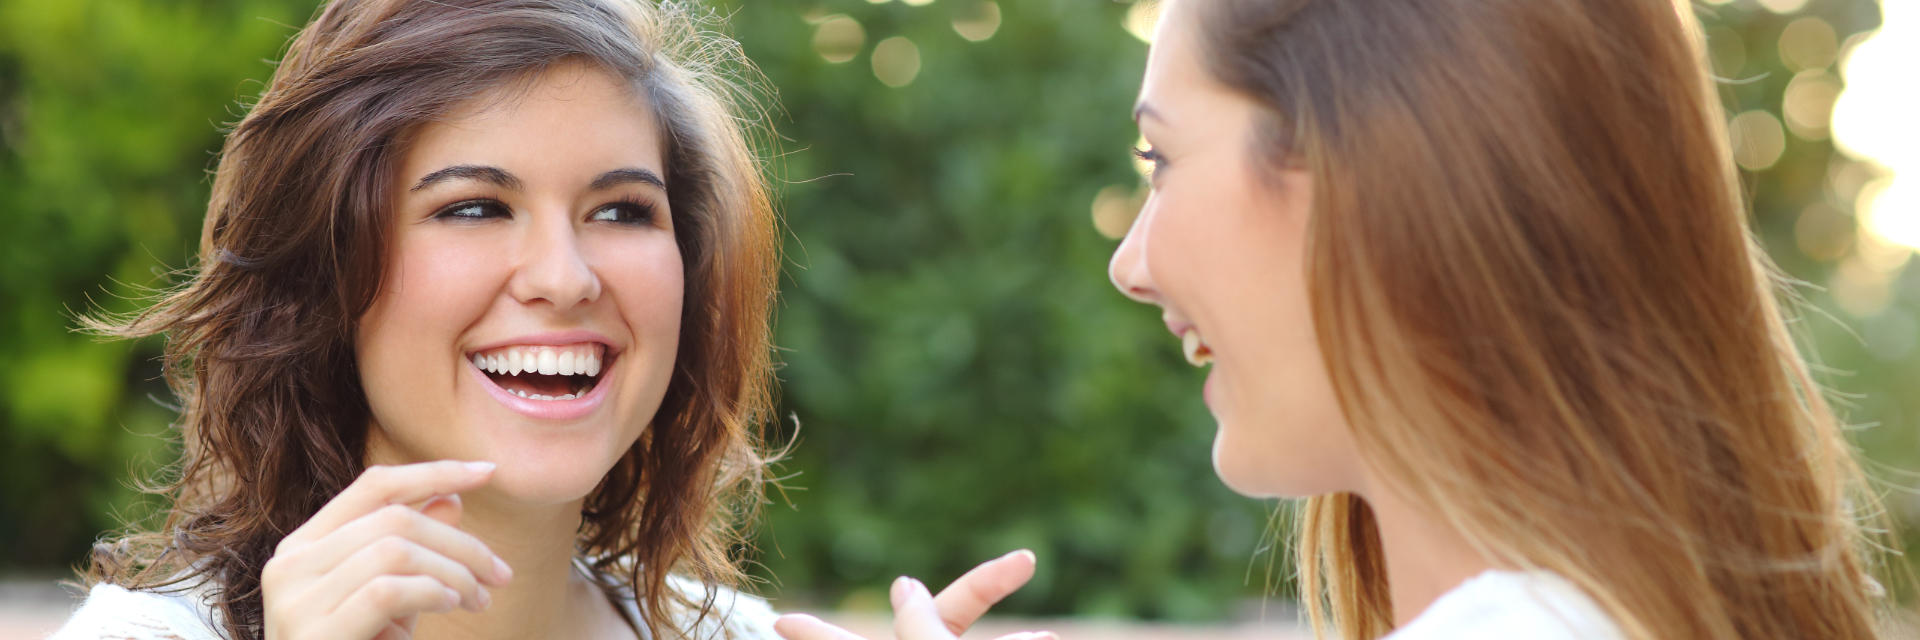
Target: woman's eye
x,y
474,210
624,212
1152,156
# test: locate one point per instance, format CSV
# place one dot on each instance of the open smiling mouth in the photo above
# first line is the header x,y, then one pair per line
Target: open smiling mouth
x,y
547,373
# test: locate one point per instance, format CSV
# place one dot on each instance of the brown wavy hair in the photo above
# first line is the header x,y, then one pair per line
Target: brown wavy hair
x,y
259,337
1543,314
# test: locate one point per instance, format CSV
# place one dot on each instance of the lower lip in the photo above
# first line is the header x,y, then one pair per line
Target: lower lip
x,y
554,410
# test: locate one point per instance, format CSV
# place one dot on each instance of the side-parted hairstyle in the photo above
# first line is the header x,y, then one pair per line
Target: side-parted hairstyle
x,y
1544,316
260,338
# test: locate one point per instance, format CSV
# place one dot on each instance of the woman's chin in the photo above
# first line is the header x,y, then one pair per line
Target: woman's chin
x,y
528,482
1264,469
1231,466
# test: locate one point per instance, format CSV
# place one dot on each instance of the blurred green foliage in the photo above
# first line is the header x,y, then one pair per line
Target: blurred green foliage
x,y
965,379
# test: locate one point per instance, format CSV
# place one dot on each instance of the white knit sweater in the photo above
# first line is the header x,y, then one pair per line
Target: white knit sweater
x,y
113,612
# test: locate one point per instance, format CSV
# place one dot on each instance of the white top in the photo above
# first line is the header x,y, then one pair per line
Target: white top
x,y
113,612
1510,604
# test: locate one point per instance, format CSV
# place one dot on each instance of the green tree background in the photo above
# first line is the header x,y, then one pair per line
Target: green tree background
x,y
965,380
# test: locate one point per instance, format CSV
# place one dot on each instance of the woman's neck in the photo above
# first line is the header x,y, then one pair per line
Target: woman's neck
x,y
547,597
1425,557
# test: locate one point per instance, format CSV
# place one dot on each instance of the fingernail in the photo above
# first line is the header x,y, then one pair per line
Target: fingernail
x,y
485,598
453,599
1017,552
501,571
898,593
480,467
919,589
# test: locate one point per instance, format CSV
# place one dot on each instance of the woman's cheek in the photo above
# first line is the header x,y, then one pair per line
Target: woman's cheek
x,y
647,280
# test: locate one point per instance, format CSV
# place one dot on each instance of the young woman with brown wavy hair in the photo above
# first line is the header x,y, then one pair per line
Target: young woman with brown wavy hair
x,y
479,329
1473,277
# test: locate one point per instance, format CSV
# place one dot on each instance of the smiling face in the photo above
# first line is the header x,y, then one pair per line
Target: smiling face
x,y
1220,246
530,313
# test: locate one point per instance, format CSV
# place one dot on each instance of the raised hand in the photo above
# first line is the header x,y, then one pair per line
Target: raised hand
x,y
920,616
381,553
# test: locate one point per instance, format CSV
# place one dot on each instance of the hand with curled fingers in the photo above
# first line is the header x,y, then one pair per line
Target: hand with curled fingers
x,y
917,615
384,551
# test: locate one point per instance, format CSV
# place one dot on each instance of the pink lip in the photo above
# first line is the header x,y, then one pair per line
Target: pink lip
x,y
1178,328
555,410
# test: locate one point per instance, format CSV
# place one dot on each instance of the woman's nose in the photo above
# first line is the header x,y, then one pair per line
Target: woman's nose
x,y
552,266
1128,268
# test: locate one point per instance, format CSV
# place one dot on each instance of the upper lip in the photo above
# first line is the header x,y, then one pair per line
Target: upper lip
x,y
1177,325
550,338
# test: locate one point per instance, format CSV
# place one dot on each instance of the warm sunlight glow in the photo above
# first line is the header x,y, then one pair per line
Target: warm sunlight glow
x,y
1141,17
1877,119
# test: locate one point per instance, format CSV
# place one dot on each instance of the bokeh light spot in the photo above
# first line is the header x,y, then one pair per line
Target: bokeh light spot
x,y
1808,43
1757,140
896,61
1783,6
1859,289
1114,209
978,21
917,3
1726,50
1141,17
1808,103
838,38
1823,232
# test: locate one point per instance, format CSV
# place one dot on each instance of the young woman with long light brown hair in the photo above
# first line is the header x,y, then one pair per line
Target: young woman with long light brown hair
x,y
1473,277
478,342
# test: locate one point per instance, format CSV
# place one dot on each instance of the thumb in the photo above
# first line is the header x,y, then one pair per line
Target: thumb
x,y
445,508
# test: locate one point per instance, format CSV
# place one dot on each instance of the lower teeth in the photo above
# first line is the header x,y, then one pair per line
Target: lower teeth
x,y
538,396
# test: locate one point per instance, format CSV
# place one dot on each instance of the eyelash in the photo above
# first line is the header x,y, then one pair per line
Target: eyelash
x,y
640,213
1150,155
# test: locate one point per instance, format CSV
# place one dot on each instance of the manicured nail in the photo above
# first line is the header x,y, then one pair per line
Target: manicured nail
x,y
501,571
480,467
1026,552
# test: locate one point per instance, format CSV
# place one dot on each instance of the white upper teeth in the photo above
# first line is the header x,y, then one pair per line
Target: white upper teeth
x,y
1196,351
569,360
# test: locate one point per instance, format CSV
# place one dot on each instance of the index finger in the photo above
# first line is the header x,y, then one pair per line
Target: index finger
x,y
799,626
967,598
380,486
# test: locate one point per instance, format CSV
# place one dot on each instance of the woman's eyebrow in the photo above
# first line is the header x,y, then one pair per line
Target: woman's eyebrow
x,y
624,176
493,175
1143,111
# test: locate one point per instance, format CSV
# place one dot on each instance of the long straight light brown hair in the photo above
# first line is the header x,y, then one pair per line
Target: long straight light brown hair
x,y
260,337
1543,315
